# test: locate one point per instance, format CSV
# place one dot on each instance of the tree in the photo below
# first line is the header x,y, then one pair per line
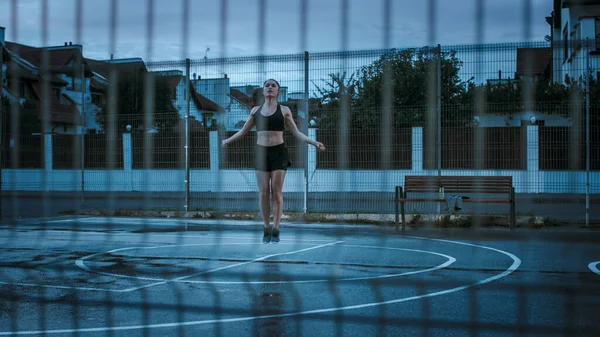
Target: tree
x,y
409,77
130,105
545,95
337,93
409,72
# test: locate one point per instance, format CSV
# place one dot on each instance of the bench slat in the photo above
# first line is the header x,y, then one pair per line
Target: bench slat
x,y
462,182
443,179
444,200
459,184
460,177
462,190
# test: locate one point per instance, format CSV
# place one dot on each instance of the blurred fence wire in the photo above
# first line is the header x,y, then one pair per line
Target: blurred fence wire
x,y
81,135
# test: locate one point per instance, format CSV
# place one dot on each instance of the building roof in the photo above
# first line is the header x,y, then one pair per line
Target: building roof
x,y
13,68
58,59
241,97
313,104
104,68
56,111
97,85
201,101
173,81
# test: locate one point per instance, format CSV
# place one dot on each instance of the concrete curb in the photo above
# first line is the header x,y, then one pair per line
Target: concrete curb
x,y
389,220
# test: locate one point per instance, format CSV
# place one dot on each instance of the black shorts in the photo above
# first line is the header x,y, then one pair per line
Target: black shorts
x,y
271,158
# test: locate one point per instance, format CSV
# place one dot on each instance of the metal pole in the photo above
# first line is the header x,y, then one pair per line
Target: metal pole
x,y
439,109
587,133
1,120
307,121
187,134
83,85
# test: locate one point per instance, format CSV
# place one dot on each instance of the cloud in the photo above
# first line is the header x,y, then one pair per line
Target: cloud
x,y
283,33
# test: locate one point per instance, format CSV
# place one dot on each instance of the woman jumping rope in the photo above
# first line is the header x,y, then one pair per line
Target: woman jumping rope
x,y
271,155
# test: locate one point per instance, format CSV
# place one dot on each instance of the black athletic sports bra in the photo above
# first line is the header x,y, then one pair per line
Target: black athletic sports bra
x,y
274,122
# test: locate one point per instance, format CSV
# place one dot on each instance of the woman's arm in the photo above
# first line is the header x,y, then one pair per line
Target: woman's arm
x,y
247,127
291,125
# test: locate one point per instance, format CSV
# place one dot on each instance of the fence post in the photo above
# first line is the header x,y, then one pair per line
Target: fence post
x,y
439,108
311,161
533,162
83,130
187,134
1,120
587,131
306,124
48,156
396,208
417,149
214,152
128,161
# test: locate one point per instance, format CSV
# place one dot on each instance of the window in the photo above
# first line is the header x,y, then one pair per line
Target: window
x,y
578,38
566,42
22,89
598,34
97,99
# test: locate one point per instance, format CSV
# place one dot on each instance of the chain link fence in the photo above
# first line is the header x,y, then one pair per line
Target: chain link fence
x,y
123,214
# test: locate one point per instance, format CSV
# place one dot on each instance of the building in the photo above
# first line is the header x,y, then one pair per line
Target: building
x,y
239,109
202,109
533,63
46,81
78,87
573,22
101,73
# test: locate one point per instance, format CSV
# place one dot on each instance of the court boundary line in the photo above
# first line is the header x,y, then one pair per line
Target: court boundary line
x,y
450,261
513,267
234,265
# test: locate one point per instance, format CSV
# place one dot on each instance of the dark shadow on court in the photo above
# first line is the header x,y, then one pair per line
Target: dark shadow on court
x,y
269,300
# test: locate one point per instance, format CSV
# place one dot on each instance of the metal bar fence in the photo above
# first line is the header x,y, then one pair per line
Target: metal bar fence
x,y
122,137
221,96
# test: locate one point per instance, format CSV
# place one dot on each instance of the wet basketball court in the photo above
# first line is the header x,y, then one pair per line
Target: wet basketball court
x,y
98,276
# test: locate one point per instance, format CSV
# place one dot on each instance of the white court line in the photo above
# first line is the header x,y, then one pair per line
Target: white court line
x,y
594,267
81,261
514,266
234,265
208,235
80,264
450,260
58,287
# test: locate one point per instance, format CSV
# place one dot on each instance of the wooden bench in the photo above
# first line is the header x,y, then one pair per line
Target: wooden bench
x,y
455,185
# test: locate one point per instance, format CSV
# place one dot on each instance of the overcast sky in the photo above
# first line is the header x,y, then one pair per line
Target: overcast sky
x,y
503,21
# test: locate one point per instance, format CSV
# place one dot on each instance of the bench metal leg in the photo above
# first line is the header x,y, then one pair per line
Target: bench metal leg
x,y
396,201
402,195
512,208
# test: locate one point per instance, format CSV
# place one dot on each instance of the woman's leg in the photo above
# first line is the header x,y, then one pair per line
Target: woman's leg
x,y
263,179
277,178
